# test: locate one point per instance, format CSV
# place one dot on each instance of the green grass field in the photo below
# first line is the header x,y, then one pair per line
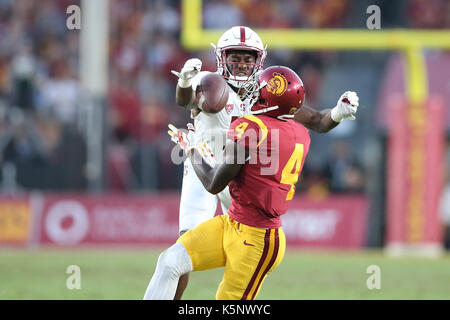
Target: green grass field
x,y
125,273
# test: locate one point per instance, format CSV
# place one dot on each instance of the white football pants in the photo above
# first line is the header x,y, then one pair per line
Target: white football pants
x,y
172,263
198,205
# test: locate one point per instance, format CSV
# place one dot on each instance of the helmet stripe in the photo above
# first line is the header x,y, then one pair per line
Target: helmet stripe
x,y
242,34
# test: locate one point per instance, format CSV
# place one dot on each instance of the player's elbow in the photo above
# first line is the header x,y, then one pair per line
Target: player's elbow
x,y
214,189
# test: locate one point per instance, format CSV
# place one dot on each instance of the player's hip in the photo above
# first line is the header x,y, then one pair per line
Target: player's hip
x,y
222,236
265,245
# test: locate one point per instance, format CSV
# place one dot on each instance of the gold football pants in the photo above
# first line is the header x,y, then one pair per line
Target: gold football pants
x,y
248,254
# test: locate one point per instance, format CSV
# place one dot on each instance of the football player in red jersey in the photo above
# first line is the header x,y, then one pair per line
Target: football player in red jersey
x,y
249,240
240,55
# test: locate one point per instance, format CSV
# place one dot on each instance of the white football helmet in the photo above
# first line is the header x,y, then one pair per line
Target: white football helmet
x,y
239,38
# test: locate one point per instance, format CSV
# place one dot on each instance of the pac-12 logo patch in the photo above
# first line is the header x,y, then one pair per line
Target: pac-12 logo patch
x,y
229,107
277,85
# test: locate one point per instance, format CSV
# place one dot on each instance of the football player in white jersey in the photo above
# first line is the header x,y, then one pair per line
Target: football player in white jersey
x,y
240,55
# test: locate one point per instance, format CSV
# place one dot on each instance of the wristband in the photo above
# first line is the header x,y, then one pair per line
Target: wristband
x,y
335,116
184,83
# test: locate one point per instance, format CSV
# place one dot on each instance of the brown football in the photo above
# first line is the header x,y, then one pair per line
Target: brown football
x,y
212,93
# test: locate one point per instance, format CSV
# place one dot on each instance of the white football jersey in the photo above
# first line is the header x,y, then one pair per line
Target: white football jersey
x,y
196,204
212,128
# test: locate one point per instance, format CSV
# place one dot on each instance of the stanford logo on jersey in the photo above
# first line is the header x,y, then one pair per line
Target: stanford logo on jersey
x,y
229,107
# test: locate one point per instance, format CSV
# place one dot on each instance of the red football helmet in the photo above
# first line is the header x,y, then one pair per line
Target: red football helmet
x,y
281,93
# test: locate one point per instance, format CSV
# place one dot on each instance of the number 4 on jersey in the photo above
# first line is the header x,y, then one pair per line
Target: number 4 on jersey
x,y
291,170
240,129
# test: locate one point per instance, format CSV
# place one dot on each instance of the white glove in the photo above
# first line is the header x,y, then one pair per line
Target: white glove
x,y
190,69
184,138
346,107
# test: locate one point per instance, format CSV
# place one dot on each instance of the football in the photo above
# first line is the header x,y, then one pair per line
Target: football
x,y
212,93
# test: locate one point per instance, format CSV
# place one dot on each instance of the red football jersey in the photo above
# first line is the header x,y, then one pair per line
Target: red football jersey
x,y
263,188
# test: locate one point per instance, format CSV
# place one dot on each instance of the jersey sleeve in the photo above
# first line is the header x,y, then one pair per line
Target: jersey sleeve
x,y
246,133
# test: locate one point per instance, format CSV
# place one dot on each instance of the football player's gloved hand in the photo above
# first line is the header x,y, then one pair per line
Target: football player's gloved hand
x,y
206,153
346,107
190,69
184,138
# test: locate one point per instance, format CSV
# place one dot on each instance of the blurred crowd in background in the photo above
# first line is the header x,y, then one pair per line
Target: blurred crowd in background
x,y
42,147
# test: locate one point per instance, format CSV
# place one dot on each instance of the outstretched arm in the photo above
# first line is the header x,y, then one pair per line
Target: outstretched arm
x,y
325,120
185,95
319,121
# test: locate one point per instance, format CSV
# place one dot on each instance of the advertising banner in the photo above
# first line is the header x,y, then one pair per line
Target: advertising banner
x,y
339,221
336,222
15,219
109,219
